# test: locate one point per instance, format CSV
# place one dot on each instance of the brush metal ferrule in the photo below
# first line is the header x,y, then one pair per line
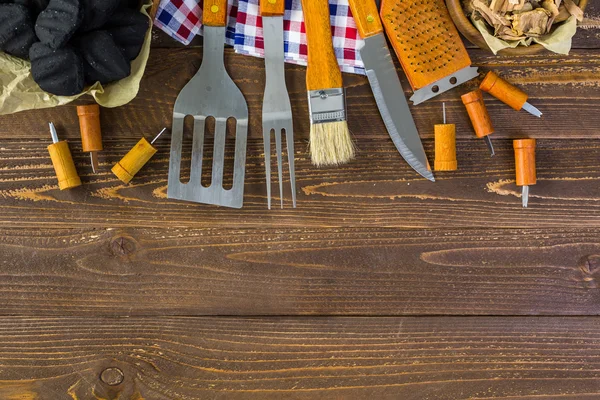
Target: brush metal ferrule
x,y
327,105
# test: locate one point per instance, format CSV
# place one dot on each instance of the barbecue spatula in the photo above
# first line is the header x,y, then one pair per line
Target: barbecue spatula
x,y
210,93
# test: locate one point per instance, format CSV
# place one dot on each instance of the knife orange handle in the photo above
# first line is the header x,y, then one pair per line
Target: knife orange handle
x,y
323,71
366,16
214,13
272,8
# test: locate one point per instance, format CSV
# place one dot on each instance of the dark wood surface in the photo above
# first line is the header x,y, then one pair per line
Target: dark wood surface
x,y
300,358
380,285
301,271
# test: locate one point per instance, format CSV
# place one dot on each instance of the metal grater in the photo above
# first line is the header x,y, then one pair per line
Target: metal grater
x,y
428,45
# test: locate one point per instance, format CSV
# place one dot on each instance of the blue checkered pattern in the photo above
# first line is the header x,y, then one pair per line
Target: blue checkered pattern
x,y
244,30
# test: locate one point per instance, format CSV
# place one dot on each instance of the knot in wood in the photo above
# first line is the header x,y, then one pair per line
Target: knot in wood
x,y
112,376
591,264
122,245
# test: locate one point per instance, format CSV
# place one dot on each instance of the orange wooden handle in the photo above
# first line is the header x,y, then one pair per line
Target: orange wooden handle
x,y
445,148
525,162
503,91
366,16
478,113
133,161
214,13
89,126
66,174
323,71
272,8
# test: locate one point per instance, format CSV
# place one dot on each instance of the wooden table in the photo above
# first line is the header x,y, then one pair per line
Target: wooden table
x,y
379,285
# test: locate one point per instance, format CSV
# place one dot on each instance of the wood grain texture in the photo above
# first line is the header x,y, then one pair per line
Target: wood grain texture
x,y
565,89
308,358
214,13
378,189
100,273
272,8
350,271
366,17
323,71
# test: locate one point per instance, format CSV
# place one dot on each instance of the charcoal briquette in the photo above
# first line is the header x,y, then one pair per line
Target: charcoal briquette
x,y
102,60
97,12
59,71
16,30
37,6
34,6
134,4
58,22
128,29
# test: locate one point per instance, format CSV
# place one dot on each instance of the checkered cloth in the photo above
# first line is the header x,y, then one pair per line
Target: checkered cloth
x,y
181,19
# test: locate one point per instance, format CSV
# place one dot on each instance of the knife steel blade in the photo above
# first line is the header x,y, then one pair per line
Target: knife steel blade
x,y
392,103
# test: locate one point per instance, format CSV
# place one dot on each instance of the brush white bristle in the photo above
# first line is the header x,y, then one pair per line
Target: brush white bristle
x,y
331,144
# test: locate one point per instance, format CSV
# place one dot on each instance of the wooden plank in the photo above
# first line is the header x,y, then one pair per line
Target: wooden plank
x,y
564,88
347,271
378,189
299,358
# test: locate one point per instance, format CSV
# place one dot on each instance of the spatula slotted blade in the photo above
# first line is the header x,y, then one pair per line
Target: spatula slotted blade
x,y
210,93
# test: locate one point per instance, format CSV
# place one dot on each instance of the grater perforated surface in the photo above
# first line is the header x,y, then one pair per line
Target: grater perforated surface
x,y
425,39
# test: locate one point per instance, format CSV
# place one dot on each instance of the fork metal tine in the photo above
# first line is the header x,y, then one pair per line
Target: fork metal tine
x,y
289,141
267,145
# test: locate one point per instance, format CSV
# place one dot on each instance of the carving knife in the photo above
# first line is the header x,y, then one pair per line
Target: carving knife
x,y
386,87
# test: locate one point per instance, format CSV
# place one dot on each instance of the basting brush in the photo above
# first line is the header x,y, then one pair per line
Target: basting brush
x,y
330,140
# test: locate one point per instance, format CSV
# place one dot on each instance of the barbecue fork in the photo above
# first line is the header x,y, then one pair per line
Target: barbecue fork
x,y
277,110
211,92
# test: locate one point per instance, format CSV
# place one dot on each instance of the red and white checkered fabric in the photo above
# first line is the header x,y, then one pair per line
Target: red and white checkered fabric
x,y
181,19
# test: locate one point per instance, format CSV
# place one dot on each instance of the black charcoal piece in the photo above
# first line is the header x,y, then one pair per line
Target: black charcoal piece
x,y
12,16
34,6
58,22
102,60
59,71
97,12
134,4
128,29
16,30
37,6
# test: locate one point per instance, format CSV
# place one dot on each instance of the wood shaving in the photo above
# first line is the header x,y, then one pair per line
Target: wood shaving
x,y
520,19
